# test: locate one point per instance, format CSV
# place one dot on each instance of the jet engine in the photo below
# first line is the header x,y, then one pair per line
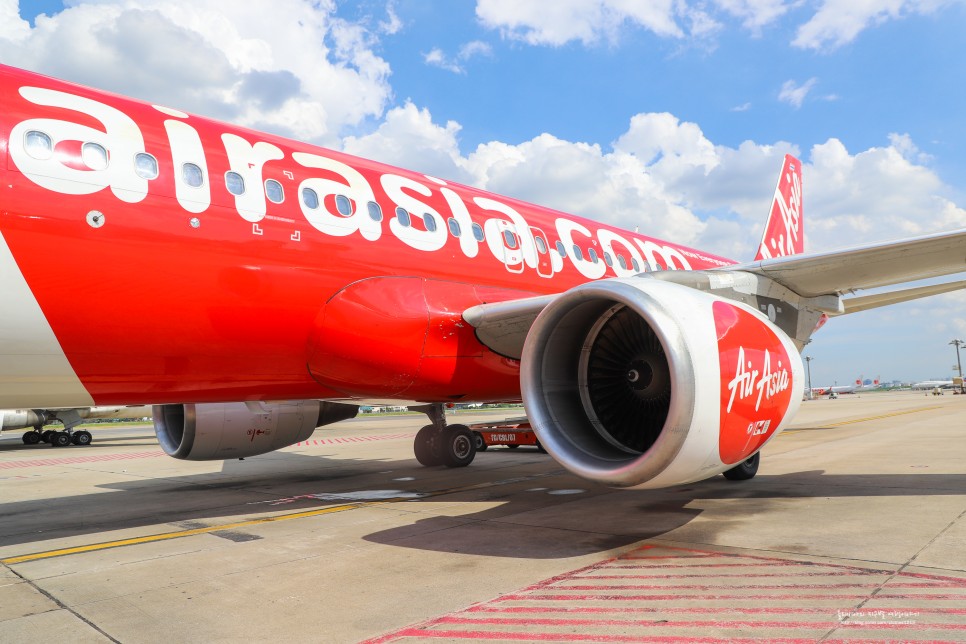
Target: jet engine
x,y
215,431
639,382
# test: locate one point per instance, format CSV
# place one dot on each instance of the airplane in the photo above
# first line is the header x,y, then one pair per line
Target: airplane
x,y
933,384
37,419
253,288
859,385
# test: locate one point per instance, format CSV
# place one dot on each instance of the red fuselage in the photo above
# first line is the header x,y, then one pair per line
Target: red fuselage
x,y
180,259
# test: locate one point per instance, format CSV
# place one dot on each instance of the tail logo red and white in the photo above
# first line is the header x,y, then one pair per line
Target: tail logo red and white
x,y
784,232
756,382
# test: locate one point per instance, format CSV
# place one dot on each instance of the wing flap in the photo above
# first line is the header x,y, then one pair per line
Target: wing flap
x,y
866,302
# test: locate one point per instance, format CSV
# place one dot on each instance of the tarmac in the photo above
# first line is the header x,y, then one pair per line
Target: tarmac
x,y
853,530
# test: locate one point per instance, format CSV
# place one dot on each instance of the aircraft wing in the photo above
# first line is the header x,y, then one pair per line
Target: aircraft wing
x,y
861,267
503,326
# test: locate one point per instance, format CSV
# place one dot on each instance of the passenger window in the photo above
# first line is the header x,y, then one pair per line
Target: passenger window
x,y
510,239
375,212
561,249
579,255
192,175
235,183
637,267
310,198
402,216
94,156
620,260
541,246
430,222
608,259
274,191
145,166
38,145
478,232
593,255
343,205
454,227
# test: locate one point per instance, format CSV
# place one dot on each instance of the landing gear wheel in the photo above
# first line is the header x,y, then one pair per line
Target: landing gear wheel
x,y
479,442
512,446
540,448
31,438
457,444
45,436
745,470
59,439
427,447
83,437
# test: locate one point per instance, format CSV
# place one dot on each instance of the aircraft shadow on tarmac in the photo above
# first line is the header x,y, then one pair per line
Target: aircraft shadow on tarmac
x,y
526,523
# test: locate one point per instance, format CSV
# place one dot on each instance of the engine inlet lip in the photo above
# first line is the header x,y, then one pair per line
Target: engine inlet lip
x,y
610,466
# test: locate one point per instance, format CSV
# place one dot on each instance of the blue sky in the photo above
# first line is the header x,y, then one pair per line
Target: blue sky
x,y
668,115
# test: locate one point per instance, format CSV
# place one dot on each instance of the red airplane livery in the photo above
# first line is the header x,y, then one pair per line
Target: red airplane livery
x,y
254,288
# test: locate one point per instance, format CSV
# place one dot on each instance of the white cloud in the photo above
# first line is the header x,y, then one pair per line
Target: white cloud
x,y
437,58
195,56
794,94
587,21
838,22
755,14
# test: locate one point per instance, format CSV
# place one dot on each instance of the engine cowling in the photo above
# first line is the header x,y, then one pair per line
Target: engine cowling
x,y
646,383
217,431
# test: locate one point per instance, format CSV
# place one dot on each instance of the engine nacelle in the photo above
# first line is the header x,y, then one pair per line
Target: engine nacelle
x,y
23,418
217,431
642,382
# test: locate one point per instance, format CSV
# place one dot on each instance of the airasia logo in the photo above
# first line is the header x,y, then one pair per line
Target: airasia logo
x,y
747,380
785,224
756,383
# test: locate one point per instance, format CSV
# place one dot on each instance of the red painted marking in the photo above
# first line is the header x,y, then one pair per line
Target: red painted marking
x,y
778,610
550,621
352,439
71,460
566,608
581,637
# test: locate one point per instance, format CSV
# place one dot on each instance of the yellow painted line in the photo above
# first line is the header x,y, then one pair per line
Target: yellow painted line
x,y
183,533
164,536
868,418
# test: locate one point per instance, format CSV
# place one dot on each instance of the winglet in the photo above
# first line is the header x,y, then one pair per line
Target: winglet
x,y
785,230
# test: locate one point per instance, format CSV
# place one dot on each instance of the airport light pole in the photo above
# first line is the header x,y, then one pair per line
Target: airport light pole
x,y
808,365
959,365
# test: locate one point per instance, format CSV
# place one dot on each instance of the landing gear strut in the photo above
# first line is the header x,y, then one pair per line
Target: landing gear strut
x,y
442,444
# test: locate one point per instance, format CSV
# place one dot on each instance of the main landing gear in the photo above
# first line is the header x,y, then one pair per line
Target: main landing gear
x,y
442,444
68,436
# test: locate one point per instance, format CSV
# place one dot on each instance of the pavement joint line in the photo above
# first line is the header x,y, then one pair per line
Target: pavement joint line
x,y
164,536
62,606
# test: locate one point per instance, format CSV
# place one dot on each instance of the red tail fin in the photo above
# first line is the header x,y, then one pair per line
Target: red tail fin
x,y
785,230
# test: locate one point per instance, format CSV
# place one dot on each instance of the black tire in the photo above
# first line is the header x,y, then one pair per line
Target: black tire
x,y
60,439
458,446
83,437
31,438
745,470
426,447
479,442
45,436
512,446
540,448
